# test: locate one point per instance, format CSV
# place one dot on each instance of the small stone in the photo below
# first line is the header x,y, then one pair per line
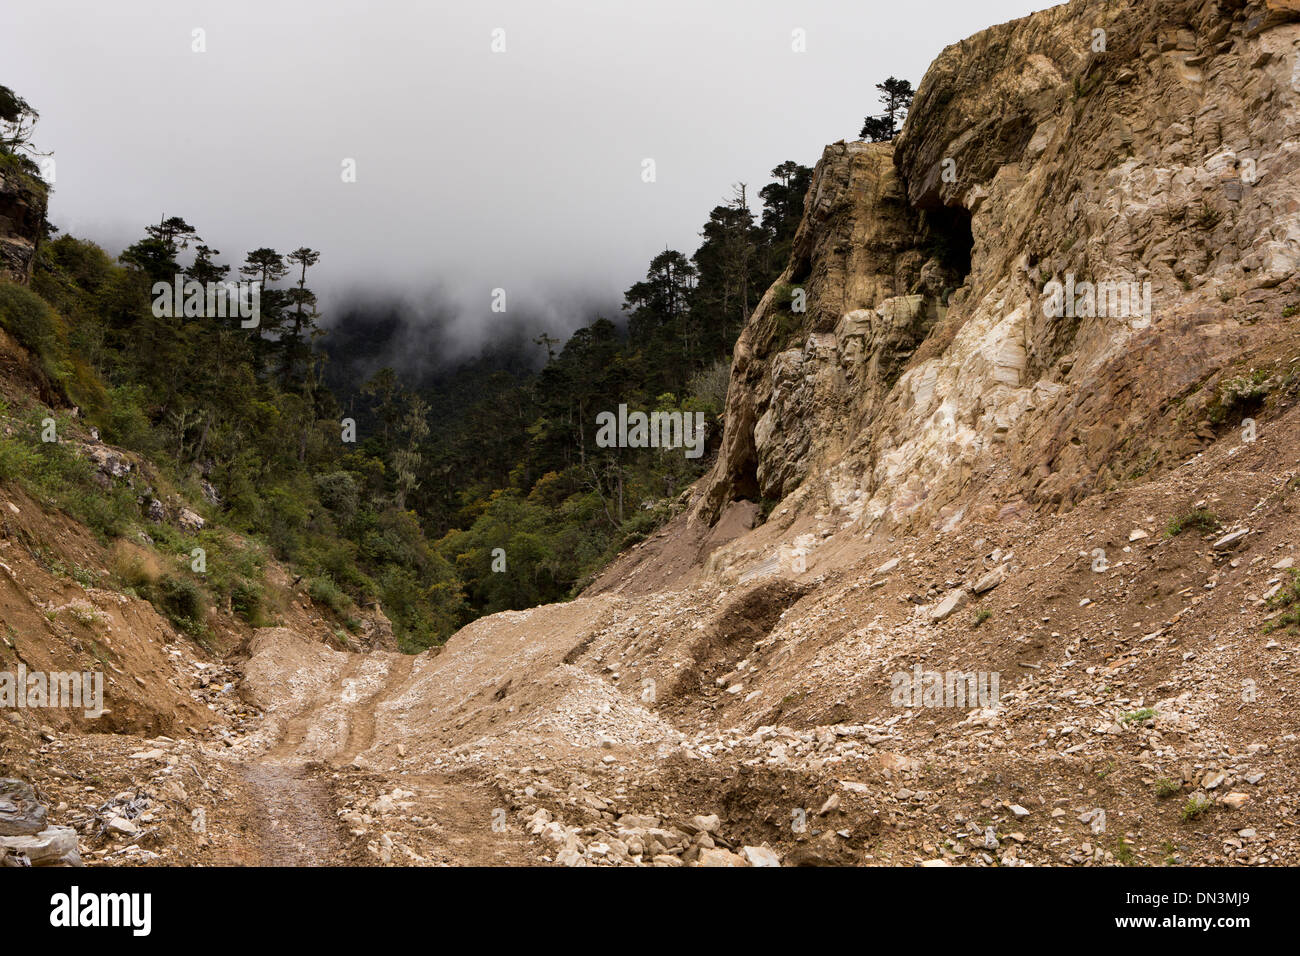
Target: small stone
x,y
715,856
706,824
950,603
570,856
21,813
760,856
123,827
1231,540
634,821
832,803
989,581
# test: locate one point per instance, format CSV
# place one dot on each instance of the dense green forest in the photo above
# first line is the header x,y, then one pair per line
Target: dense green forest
x,y
476,491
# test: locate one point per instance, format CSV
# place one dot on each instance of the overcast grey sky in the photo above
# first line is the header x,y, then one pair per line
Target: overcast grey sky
x,y
520,169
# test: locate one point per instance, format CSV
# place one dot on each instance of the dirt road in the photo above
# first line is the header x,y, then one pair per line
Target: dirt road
x,y
308,801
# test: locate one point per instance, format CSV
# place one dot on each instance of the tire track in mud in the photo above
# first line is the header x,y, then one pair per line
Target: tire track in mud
x,y
361,723
292,809
292,813
292,816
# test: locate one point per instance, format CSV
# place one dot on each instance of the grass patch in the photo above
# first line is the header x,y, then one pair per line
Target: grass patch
x,y
1166,788
1123,853
1197,805
1289,600
1201,519
133,567
84,616
1137,716
783,326
248,600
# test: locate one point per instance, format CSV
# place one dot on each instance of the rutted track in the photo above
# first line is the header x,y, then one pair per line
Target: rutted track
x,y
293,817
296,812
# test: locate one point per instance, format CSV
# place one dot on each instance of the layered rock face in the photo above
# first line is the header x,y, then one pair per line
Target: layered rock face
x,y
22,217
1100,146
861,291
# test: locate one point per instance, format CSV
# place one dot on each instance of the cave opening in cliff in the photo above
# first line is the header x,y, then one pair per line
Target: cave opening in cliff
x,y
950,240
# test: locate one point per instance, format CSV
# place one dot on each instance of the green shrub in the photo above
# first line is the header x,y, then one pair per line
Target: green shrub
x,y
126,423
707,389
1288,598
325,591
16,459
181,601
1196,806
1137,716
339,493
247,599
642,524
54,472
36,326
1243,395
1166,788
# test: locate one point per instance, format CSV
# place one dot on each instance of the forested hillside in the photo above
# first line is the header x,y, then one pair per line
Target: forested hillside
x,y
471,491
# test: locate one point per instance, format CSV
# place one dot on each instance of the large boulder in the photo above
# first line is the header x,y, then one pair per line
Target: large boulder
x,y
53,846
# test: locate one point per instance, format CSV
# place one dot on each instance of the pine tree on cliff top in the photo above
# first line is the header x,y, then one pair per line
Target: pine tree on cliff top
x,y
896,97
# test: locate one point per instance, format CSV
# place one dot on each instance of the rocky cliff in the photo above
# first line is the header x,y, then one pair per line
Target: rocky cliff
x,y
1113,143
23,198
